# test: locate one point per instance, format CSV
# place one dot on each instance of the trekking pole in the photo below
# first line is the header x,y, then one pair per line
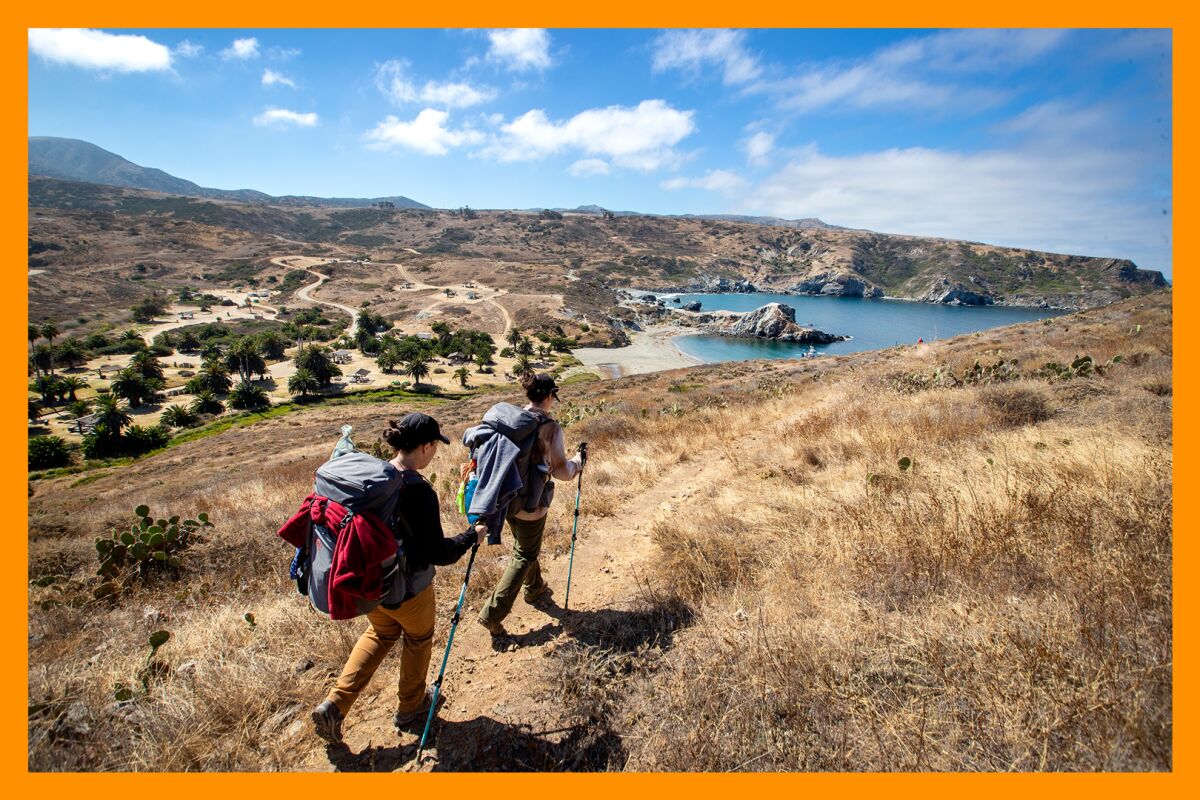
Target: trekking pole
x,y
575,526
437,685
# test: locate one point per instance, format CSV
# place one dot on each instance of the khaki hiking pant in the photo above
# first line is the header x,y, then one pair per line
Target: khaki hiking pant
x,y
412,621
523,569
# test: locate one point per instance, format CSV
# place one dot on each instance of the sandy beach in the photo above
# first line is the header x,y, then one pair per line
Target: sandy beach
x,y
651,350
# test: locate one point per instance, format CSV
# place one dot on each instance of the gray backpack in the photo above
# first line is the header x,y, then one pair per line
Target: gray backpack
x,y
522,427
360,482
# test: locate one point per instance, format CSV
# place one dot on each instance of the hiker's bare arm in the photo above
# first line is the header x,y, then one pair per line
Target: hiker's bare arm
x,y
561,467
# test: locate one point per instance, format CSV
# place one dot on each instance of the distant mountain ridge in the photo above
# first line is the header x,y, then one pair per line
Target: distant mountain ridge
x,y
77,160
807,223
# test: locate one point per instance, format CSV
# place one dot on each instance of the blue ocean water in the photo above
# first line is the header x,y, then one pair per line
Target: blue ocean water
x,y
872,324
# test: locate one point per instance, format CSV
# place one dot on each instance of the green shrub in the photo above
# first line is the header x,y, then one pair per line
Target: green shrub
x,y
139,439
47,452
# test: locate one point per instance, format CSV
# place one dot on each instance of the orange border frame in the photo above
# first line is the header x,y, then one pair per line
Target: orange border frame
x,y
612,13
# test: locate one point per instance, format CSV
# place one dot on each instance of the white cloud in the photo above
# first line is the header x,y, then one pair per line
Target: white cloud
x,y
520,49
586,167
282,117
271,77
187,49
241,49
283,53
90,49
427,134
392,79
918,73
758,147
1085,195
639,137
972,50
693,49
716,180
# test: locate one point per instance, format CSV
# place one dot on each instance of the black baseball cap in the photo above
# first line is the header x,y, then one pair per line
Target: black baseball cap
x,y
416,429
543,384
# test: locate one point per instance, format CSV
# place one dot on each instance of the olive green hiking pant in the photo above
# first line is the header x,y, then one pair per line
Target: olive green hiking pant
x,y
523,569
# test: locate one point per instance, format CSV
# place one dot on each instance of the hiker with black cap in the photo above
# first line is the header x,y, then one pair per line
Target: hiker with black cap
x,y
527,520
418,526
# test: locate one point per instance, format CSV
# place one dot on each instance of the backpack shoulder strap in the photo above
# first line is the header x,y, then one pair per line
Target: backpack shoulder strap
x,y
408,477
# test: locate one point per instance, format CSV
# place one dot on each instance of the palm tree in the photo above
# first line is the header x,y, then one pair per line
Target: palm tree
x,y
522,365
303,383
47,387
461,375
49,330
35,333
70,352
146,364
244,358
481,361
387,360
206,402
271,344
417,367
211,377
130,336
133,387
177,417
111,416
248,396
80,408
43,359
525,346
513,336
188,342
71,384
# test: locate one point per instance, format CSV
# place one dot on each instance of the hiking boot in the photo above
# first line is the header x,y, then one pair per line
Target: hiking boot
x,y
403,719
501,639
541,597
328,722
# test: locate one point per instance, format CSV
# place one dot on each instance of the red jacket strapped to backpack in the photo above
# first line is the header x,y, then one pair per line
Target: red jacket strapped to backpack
x,y
361,546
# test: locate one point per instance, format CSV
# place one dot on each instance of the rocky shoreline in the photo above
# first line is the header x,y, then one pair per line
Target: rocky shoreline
x,y
941,291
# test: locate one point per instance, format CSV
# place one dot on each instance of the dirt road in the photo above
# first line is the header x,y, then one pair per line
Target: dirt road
x,y
307,263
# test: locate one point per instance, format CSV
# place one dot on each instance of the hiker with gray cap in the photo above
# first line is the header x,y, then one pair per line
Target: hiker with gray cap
x,y
417,525
526,514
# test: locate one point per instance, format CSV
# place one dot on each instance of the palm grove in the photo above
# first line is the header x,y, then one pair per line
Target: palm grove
x,y
231,371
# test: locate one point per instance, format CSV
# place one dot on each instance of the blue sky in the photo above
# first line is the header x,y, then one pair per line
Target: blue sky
x,y
1056,140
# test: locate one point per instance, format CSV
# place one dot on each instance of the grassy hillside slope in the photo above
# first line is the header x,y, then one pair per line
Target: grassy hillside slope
x,y
761,584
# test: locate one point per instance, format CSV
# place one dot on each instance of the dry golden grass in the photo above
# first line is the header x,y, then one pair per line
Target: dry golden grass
x,y
1005,603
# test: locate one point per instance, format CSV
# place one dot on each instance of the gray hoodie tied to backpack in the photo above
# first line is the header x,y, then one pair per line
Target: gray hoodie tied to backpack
x,y
498,479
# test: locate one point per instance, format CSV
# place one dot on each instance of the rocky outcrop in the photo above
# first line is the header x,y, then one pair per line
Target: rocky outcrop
x,y
692,306
774,321
836,285
955,294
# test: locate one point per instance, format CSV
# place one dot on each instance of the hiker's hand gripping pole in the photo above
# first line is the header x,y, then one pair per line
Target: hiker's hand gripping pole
x,y
575,526
437,685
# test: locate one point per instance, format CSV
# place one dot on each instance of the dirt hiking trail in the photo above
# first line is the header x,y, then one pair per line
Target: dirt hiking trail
x,y
499,705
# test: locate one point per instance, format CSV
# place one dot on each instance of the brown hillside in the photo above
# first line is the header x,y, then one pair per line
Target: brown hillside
x,y
758,584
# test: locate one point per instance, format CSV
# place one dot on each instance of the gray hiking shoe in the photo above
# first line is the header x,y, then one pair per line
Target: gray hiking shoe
x,y
402,720
496,629
328,722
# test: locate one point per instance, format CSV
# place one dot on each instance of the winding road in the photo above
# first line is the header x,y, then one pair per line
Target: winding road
x,y
306,292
